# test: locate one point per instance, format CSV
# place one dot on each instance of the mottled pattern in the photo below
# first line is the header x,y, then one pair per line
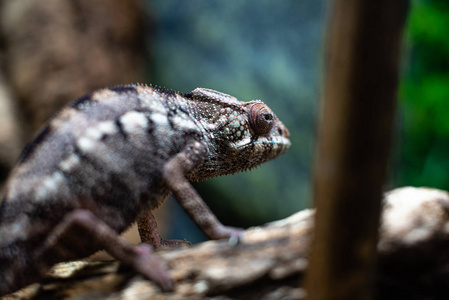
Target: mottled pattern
x,y
118,153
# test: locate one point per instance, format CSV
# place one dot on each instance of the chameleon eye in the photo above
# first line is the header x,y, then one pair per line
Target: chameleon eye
x,y
260,118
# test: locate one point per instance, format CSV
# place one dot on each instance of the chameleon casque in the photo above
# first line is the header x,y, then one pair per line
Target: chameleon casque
x,y
109,159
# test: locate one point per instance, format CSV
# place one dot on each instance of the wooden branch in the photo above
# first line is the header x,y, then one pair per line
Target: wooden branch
x,y
270,261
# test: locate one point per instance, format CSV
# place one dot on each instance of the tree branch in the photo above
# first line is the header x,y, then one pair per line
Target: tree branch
x,y
270,260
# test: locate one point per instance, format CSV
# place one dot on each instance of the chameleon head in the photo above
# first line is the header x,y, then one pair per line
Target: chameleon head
x,y
248,134
265,136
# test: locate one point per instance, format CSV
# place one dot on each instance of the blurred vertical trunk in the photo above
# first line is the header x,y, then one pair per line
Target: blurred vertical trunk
x,y
56,51
354,142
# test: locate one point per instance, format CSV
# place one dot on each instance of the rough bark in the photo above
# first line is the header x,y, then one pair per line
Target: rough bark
x,y
270,260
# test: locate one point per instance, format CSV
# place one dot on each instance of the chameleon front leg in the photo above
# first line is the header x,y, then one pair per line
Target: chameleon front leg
x,y
174,175
84,223
149,233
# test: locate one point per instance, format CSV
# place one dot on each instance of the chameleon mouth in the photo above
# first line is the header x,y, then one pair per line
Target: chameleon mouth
x,y
282,141
277,144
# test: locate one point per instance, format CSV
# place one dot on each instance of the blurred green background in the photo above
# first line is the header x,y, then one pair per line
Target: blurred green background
x,y
273,51
265,50
422,153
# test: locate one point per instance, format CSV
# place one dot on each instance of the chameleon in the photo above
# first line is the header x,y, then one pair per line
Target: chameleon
x,y
109,159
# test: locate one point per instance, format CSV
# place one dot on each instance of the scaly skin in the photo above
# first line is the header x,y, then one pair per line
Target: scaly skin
x,y
112,157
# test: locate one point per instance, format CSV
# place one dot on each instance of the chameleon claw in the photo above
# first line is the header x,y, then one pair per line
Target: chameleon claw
x,y
233,234
152,267
234,240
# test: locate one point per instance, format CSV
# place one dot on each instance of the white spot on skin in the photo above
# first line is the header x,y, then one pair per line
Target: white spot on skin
x,y
183,123
160,120
133,122
69,163
107,127
161,125
93,135
50,185
86,144
103,128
